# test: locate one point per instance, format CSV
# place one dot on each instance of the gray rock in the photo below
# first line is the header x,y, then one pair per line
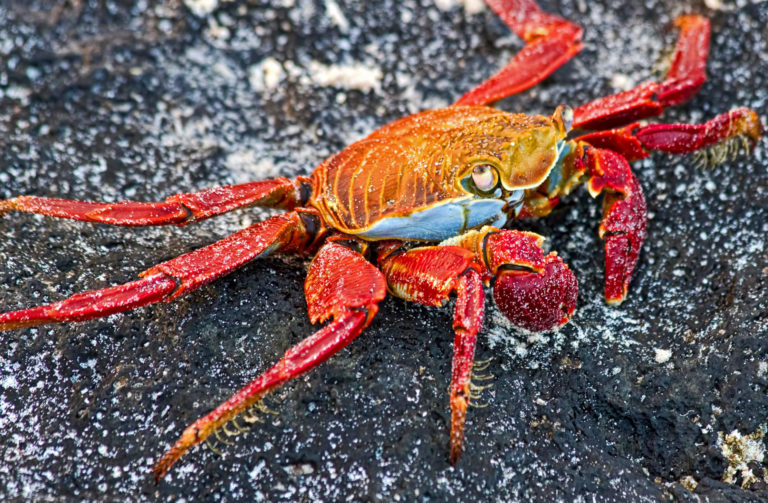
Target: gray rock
x,y
117,99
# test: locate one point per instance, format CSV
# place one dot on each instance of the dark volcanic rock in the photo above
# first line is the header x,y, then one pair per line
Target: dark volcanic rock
x,y
117,99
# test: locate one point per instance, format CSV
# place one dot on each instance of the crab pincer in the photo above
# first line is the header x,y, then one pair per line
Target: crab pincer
x,y
534,291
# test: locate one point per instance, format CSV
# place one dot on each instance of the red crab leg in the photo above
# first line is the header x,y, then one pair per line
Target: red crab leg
x,y
179,209
624,217
94,304
340,284
529,288
634,142
429,275
467,321
550,42
686,138
170,279
685,78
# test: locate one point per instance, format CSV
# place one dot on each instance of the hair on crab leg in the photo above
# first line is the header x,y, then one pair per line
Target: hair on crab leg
x,y
741,123
467,321
297,360
724,134
343,285
429,275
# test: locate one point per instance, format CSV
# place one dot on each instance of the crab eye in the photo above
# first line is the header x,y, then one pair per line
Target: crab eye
x,y
568,117
564,115
484,177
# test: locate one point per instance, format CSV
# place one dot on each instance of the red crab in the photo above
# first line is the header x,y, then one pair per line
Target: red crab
x,y
417,209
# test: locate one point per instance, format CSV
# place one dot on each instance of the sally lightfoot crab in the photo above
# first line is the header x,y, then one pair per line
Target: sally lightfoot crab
x,y
418,208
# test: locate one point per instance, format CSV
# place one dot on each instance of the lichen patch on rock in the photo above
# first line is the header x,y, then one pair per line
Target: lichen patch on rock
x,y
745,455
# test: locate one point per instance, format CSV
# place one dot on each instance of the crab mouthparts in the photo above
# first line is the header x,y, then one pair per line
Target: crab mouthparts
x,y
514,201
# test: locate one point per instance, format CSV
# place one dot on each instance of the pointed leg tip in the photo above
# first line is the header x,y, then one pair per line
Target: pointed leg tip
x,y
6,206
752,126
690,20
161,467
191,436
7,326
456,449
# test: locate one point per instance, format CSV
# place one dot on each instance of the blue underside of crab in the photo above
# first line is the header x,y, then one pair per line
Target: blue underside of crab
x,y
455,216
436,223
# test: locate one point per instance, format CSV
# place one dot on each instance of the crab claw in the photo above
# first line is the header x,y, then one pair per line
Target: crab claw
x,y
537,300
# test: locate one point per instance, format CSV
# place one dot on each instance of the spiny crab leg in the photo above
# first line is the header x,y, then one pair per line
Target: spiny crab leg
x,y
179,209
687,138
685,77
467,321
429,275
340,284
170,279
634,142
550,42
300,358
524,277
93,304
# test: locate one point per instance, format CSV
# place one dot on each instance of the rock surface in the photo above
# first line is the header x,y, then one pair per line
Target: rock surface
x,y
117,99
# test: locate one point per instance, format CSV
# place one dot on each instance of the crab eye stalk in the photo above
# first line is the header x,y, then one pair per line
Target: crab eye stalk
x,y
564,117
484,177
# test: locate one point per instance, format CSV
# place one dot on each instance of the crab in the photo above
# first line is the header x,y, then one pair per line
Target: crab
x,y
419,208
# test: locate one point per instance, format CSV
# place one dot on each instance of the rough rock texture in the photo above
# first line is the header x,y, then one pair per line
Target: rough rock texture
x,y
117,99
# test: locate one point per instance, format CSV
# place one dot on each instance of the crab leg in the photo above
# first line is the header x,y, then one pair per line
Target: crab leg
x,y
179,209
624,217
550,42
467,321
340,284
634,141
534,291
170,279
429,275
686,138
685,77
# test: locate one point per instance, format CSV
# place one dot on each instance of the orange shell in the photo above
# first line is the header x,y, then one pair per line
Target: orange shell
x,y
419,161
